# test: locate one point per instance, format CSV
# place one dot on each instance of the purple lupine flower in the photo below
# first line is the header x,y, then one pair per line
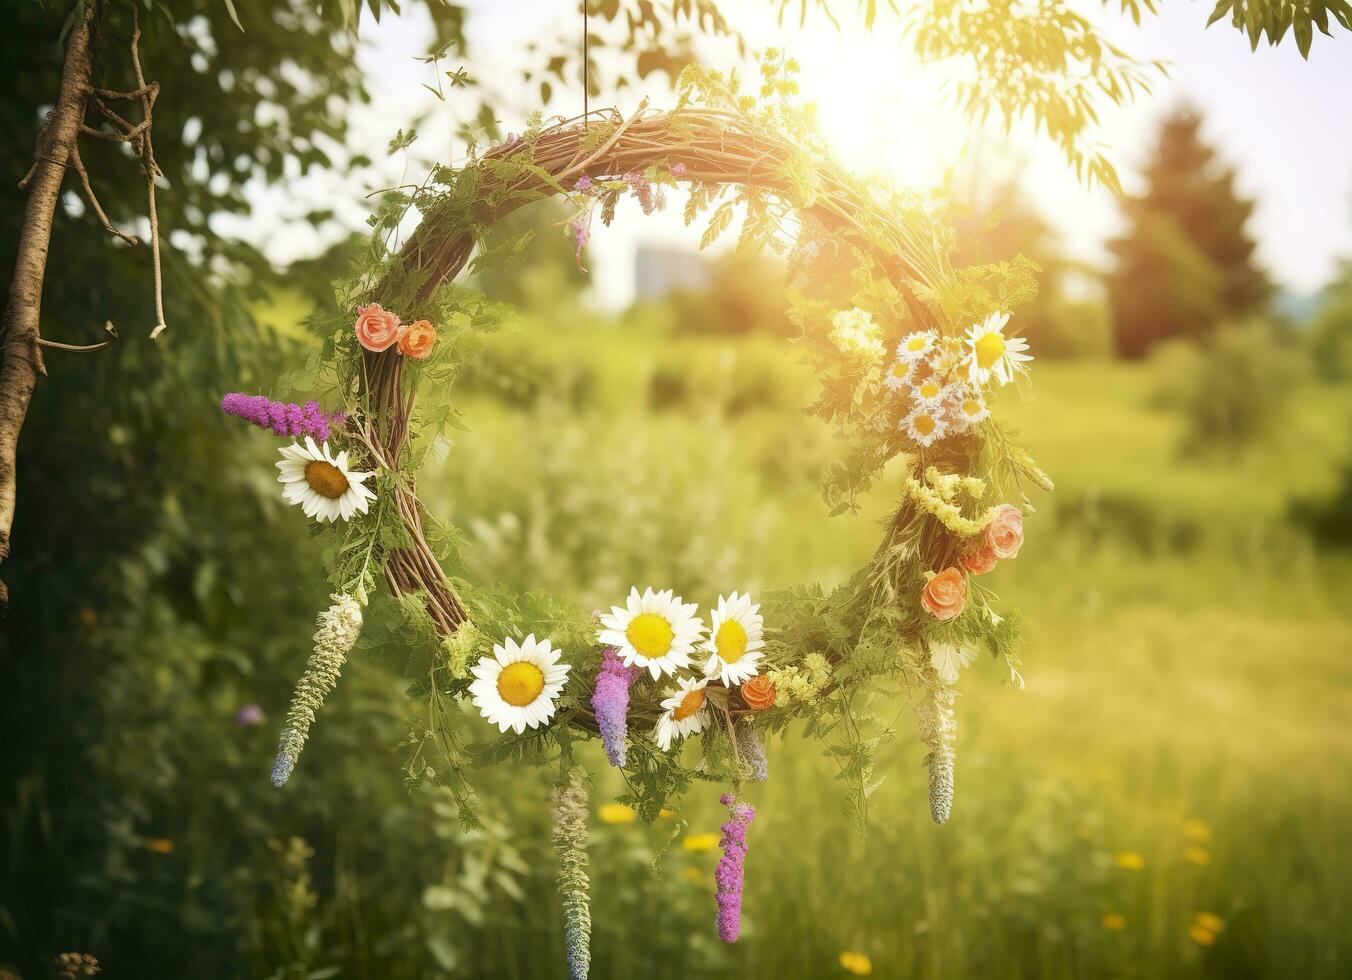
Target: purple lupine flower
x,y
677,169
610,701
731,867
583,183
283,418
250,714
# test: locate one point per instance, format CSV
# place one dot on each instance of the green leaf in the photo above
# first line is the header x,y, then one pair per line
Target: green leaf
x,y
234,14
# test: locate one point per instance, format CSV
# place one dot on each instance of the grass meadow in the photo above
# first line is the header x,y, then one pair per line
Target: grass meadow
x,y
1170,795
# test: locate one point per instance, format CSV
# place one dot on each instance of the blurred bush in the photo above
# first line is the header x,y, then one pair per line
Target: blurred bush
x,y
1330,334
1234,389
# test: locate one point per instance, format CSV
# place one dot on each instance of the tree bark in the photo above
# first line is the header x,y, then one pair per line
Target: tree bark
x,y
20,346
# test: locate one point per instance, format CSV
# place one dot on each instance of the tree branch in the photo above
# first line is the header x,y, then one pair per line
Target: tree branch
x,y
20,348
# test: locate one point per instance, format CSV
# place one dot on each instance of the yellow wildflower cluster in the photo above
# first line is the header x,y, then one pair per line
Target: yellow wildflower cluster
x,y
938,496
855,333
801,683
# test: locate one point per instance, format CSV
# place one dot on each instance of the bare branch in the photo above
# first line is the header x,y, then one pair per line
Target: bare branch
x,y
148,94
80,348
93,199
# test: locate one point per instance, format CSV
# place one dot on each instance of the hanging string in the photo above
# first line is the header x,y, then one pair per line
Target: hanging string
x,y
586,57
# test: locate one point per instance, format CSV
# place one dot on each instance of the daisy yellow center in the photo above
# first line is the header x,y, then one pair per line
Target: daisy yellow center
x,y
929,390
326,479
971,407
650,635
917,344
924,425
730,641
989,349
520,683
900,369
691,703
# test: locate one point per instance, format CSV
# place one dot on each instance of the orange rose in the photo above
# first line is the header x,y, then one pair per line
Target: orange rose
x,y
377,328
945,594
1004,535
759,693
979,562
417,339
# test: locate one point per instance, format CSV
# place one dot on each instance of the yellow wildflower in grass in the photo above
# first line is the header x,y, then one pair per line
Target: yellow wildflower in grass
x,y
1196,855
700,842
1201,935
694,875
1129,860
857,963
1114,921
1197,830
616,813
1209,921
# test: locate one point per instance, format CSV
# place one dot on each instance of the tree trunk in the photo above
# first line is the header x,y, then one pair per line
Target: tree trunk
x,y
19,347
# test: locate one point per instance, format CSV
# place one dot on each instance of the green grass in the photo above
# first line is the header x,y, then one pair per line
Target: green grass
x,y
1186,659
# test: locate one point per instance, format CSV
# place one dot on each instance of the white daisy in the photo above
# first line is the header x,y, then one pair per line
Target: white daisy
x,y
947,658
321,483
930,392
655,630
736,639
924,425
897,373
967,406
517,686
916,346
684,712
993,353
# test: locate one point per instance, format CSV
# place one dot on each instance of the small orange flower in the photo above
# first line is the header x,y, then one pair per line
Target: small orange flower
x,y
1114,921
417,339
160,845
759,693
980,562
1004,535
945,594
376,327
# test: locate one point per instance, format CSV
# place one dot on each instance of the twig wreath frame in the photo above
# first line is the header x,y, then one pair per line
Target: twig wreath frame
x,y
906,349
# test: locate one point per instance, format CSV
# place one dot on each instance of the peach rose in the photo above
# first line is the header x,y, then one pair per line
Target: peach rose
x,y
416,340
759,693
945,594
377,328
979,562
1004,535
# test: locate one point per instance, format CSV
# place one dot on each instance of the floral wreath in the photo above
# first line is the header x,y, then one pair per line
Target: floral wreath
x,y
907,351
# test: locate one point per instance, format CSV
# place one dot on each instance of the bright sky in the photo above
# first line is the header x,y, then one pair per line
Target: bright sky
x,y
1283,122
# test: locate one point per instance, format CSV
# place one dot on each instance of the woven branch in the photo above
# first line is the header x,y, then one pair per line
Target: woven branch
x,y
713,147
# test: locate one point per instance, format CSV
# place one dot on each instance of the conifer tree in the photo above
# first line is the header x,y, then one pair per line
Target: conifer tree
x,y
1186,261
